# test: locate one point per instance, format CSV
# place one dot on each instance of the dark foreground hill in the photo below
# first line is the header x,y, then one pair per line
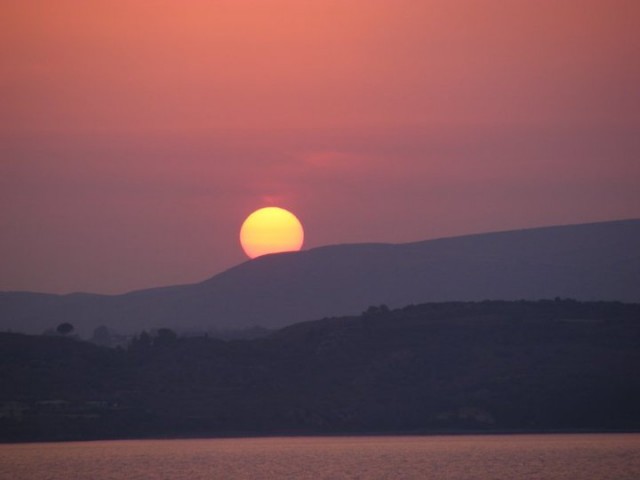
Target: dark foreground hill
x,y
598,261
488,366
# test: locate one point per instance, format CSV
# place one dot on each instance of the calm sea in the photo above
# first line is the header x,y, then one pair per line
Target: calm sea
x,y
550,457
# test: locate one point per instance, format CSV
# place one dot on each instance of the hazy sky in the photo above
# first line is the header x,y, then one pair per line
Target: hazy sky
x,y
137,135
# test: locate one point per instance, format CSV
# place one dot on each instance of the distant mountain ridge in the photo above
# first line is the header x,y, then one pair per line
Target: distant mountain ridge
x,y
596,261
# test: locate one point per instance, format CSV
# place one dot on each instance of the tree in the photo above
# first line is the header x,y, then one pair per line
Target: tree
x,y
101,336
140,343
373,310
165,337
64,328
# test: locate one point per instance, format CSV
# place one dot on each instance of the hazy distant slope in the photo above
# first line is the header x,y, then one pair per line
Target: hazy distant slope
x,y
599,261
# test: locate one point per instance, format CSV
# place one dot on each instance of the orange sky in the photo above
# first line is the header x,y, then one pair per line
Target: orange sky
x,y
137,135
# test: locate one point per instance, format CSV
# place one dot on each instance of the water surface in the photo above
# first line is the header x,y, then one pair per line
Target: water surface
x,y
549,457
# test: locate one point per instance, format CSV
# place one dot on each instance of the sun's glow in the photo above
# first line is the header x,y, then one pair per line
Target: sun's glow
x,y
271,230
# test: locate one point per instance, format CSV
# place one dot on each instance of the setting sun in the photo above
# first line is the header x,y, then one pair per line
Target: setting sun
x,y
271,230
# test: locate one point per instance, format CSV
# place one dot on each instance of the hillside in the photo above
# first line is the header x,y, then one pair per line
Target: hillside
x,y
598,261
488,366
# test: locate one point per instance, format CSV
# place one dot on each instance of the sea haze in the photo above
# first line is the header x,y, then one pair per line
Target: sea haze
x,y
599,261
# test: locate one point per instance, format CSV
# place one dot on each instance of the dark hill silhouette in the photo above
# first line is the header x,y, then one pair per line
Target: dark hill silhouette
x,y
486,366
599,261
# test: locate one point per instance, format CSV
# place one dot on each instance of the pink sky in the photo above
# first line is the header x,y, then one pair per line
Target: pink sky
x,y
136,136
